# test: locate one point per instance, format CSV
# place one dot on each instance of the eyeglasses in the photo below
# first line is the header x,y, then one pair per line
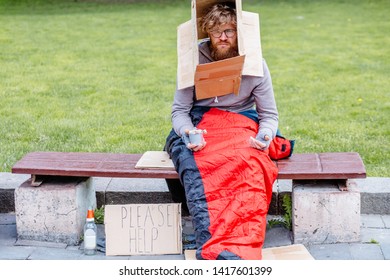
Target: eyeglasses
x,y
228,32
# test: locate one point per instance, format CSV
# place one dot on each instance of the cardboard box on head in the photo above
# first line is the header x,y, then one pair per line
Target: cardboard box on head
x,y
219,77
202,6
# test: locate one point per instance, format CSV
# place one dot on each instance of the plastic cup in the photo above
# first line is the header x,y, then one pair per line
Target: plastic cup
x,y
196,136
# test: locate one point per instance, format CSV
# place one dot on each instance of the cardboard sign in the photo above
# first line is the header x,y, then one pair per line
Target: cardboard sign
x,y
143,229
219,78
155,160
189,34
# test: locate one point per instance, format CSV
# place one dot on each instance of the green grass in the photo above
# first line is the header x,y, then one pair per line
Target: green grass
x,y
95,76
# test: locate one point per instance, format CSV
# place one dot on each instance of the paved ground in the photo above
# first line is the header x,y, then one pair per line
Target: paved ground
x,y
374,245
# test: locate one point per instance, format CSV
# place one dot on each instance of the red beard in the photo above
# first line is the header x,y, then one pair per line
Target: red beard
x,y
219,54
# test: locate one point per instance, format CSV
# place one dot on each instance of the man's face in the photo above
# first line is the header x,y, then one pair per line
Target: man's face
x,y
226,45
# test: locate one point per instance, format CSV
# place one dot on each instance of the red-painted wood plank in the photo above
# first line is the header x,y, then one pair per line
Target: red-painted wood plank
x,y
322,166
298,167
86,165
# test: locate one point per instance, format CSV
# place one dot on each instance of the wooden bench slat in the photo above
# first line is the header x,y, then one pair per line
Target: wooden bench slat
x,y
81,164
80,156
86,165
322,166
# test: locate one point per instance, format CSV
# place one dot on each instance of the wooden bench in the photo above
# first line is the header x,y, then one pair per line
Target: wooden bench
x,y
315,166
324,210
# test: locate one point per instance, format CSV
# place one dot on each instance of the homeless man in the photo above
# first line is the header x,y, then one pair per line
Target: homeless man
x,y
228,176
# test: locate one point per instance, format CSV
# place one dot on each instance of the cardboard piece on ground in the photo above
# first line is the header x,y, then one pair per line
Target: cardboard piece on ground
x,y
143,229
190,254
219,78
155,160
290,252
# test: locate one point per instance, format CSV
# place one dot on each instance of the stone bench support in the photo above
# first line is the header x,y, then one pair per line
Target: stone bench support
x,y
322,213
54,212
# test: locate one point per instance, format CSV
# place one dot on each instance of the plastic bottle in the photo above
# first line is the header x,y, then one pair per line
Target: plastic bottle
x,y
90,233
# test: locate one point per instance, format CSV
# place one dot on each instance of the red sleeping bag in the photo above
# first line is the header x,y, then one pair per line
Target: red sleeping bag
x,y
237,187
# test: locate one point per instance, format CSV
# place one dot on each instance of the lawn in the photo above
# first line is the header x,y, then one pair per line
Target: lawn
x,y
100,77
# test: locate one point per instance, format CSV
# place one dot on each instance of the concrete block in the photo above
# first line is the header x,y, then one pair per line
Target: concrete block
x,y
8,183
136,190
11,181
375,195
55,211
273,207
284,189
100,185
7,200
280,188
284,185
322,214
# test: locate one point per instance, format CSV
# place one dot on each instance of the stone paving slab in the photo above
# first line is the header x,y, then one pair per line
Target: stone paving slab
x,y
330,251
386,251
366,251
277,236
375,235
386,220
42,253
33,243
346,251
372,221
8,235
15,252
7,219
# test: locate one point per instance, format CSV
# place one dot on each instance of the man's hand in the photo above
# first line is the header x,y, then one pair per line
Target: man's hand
x,y
262,140
189,145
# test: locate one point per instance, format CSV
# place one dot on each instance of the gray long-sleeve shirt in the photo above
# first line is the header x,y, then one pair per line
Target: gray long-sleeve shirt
x,y
254,92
